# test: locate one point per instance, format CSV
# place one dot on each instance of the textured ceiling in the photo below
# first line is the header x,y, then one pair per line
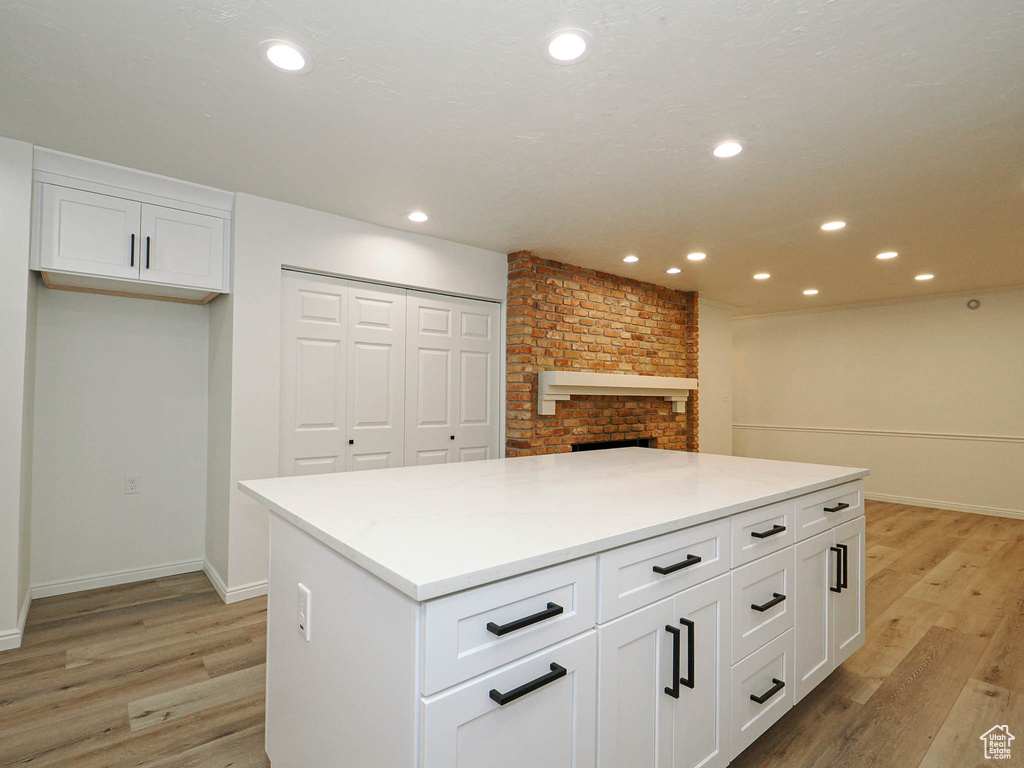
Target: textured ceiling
x,y
904,118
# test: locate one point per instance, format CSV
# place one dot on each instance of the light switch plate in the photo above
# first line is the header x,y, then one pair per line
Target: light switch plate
x,y
305,601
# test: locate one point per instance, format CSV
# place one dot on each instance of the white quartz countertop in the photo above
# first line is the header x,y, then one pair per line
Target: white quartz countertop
x,y
430,531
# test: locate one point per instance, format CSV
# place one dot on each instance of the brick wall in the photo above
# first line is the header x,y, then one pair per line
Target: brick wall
x,y
561,316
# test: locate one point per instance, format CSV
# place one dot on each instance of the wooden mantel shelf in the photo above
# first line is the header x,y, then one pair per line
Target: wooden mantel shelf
x,y
560,385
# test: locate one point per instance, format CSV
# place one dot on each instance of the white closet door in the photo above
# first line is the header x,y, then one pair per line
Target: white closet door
x,y
89,233
313,381
453,373
376,377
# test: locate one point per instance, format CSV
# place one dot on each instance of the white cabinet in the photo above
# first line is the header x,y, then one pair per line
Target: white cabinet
x,y
664,677
453,365
89,233
182,248
375,376
104,236
538,712
829,590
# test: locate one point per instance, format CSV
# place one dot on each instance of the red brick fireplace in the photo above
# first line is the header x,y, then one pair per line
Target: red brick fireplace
x,y
562,317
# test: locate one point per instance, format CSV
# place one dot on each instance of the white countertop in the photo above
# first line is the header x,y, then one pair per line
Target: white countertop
x,y
429,531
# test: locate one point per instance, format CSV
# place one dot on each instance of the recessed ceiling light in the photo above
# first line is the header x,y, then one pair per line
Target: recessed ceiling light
x,y
887,255
832,226
725,149
630,259
761,276
673,270
811,292
924,277
417,216
567,46
286,57
697,256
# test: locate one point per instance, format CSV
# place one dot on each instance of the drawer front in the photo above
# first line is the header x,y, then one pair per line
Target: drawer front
x,y
549,721
762,531
818,512
768,584
759,675
472,632
629,579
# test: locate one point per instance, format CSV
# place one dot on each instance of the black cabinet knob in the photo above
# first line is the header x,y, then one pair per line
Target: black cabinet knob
x,y
452,437
351,442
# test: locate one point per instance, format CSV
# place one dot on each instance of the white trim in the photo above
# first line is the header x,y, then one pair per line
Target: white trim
x,y
234,594
115,577
882,302
11,639
933,504
713,303
67,170
884,433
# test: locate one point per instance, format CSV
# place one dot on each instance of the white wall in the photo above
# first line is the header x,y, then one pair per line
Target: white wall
x,y
120,390
927,394
15,204
714,376
267,236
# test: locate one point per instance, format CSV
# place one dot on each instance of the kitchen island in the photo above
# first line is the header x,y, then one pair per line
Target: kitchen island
x,y
625,607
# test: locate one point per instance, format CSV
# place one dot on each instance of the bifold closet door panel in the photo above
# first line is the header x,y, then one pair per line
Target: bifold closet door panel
x,y
376,377
314,324
453,369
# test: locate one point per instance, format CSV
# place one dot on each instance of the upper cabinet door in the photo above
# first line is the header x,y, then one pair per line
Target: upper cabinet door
x,y
182,248
89,233
376,377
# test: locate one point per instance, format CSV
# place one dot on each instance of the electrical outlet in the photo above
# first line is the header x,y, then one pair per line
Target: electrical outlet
x,y
131,484
305,600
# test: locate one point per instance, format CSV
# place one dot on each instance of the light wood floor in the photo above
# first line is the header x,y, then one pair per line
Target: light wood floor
x,y
162,675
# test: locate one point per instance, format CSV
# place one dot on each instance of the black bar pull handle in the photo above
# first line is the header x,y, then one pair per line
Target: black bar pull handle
x,y
673,690
777,685
688,680
132,264
776,599
556,673
553,609
690,560
765,534
147,251
846,566
839,570
838,507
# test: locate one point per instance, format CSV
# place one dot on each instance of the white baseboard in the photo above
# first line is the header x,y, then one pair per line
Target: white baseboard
x,y
11,638
234,594
114,577
933,504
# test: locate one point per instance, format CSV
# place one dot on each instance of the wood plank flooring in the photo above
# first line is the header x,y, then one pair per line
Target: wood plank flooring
x,y
160,674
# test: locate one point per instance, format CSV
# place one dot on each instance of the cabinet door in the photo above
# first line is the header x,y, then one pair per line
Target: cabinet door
x,y
182,248
848,605
635,713
701,714
453,367
815,572
550,726
376,377
88,233
314,326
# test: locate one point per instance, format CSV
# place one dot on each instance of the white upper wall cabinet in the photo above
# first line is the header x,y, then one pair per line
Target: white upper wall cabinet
x,y
104,228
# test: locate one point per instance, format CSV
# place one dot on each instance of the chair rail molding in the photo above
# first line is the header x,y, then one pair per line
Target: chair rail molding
x,y
883,433
554,386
